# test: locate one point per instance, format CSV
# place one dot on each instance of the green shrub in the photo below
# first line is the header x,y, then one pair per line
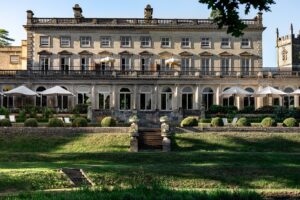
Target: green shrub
x,y
268,122
243,122
55,122
265,110
80,109
4,111
79,122
213,109
290,122
21,116
189,121
248,109
217,121
108,122
47,113
205,120
5,122
31,122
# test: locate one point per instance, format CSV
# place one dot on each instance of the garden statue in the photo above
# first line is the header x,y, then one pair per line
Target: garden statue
x,y
134,133
202,111
165,133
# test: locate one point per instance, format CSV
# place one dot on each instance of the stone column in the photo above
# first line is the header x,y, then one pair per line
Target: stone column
x,y
93,97
155,97
280,101
113,97
134,102
217,95
166,134
296,101
176,99
196,104
259,100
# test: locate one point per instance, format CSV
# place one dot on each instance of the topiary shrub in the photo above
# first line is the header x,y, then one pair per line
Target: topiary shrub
x,y
290,122
213,109
189,121
265,110
31,122
243,122
21,116
217,121
205,120
47,113
268,122
108,122
55,122
79,122
5,123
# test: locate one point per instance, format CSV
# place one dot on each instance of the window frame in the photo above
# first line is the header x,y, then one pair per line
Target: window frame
x,y
88,38
243,46
105,39
43,43
64,45
165,40
14,62
189,43
143,40
205,43
223,46
123,39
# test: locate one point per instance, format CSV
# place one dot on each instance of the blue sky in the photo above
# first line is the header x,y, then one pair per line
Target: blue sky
x,y
13,15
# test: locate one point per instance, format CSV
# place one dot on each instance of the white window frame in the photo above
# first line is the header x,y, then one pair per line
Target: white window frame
x,y
43,65
185,42
205,65
245,65
14,59
84,94
65,41
225,43
148,97
105,42
67,63
205,42
245,43
185,64
127,64
225,65
104,106
85,41
125,41
44,41
166,42
84,66
146,41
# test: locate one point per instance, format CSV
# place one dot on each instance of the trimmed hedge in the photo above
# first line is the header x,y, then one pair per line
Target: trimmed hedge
x,y
217,121
5,123
290,122
79,122
55,122
205,121
31,122
189,121
243,122
108,122
268,122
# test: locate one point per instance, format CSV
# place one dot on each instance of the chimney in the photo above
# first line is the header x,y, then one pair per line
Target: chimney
x,y
259,17
30,15
77,11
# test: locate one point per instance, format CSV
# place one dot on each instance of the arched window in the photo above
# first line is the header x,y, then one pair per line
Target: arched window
x,y
104,98
166,99
62,101
125,99
145,98
41,101
288,101
228,101
249,100
207,97
187,98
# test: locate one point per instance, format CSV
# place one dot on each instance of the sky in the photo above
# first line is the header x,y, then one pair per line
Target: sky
x,y
13,15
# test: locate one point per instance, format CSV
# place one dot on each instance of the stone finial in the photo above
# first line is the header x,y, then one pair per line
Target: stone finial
x,y
277,33
292,29
259,17
77,11
148,12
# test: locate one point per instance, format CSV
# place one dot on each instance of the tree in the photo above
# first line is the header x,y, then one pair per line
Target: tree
x,y
225,12
4,38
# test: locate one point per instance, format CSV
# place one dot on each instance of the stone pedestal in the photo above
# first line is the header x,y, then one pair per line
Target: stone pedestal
x,y
165,133
134,134
134,144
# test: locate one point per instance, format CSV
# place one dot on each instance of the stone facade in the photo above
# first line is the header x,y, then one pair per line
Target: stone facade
x,y
13,57
145,66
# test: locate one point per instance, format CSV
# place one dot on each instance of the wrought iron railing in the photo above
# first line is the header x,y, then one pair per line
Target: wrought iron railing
x,y
109,74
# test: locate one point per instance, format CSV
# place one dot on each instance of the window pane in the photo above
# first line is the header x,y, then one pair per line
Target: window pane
x,y
142,102
107,102
101,101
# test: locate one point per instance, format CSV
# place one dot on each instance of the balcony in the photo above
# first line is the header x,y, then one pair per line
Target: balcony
x,y
135,74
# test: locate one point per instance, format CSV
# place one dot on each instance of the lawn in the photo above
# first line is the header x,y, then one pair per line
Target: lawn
x,y
255,161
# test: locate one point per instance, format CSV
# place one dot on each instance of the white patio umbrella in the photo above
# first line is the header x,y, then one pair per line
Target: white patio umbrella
x,y
56,91
173,61
269,92
296,92
107,59
235,92
21,91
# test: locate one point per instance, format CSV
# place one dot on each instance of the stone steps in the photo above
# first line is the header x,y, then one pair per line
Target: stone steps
x,y
150,139
77,177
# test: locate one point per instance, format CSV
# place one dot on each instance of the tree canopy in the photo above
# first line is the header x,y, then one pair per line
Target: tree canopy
x,y
225,12
4,38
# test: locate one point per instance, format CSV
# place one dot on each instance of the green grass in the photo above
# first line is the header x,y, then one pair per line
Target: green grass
x,y
203,160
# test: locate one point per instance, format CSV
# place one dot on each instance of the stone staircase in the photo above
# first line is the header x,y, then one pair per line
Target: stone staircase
x,y
150,139
77,177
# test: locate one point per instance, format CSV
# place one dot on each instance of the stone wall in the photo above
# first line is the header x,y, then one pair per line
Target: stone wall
x,y
62,131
